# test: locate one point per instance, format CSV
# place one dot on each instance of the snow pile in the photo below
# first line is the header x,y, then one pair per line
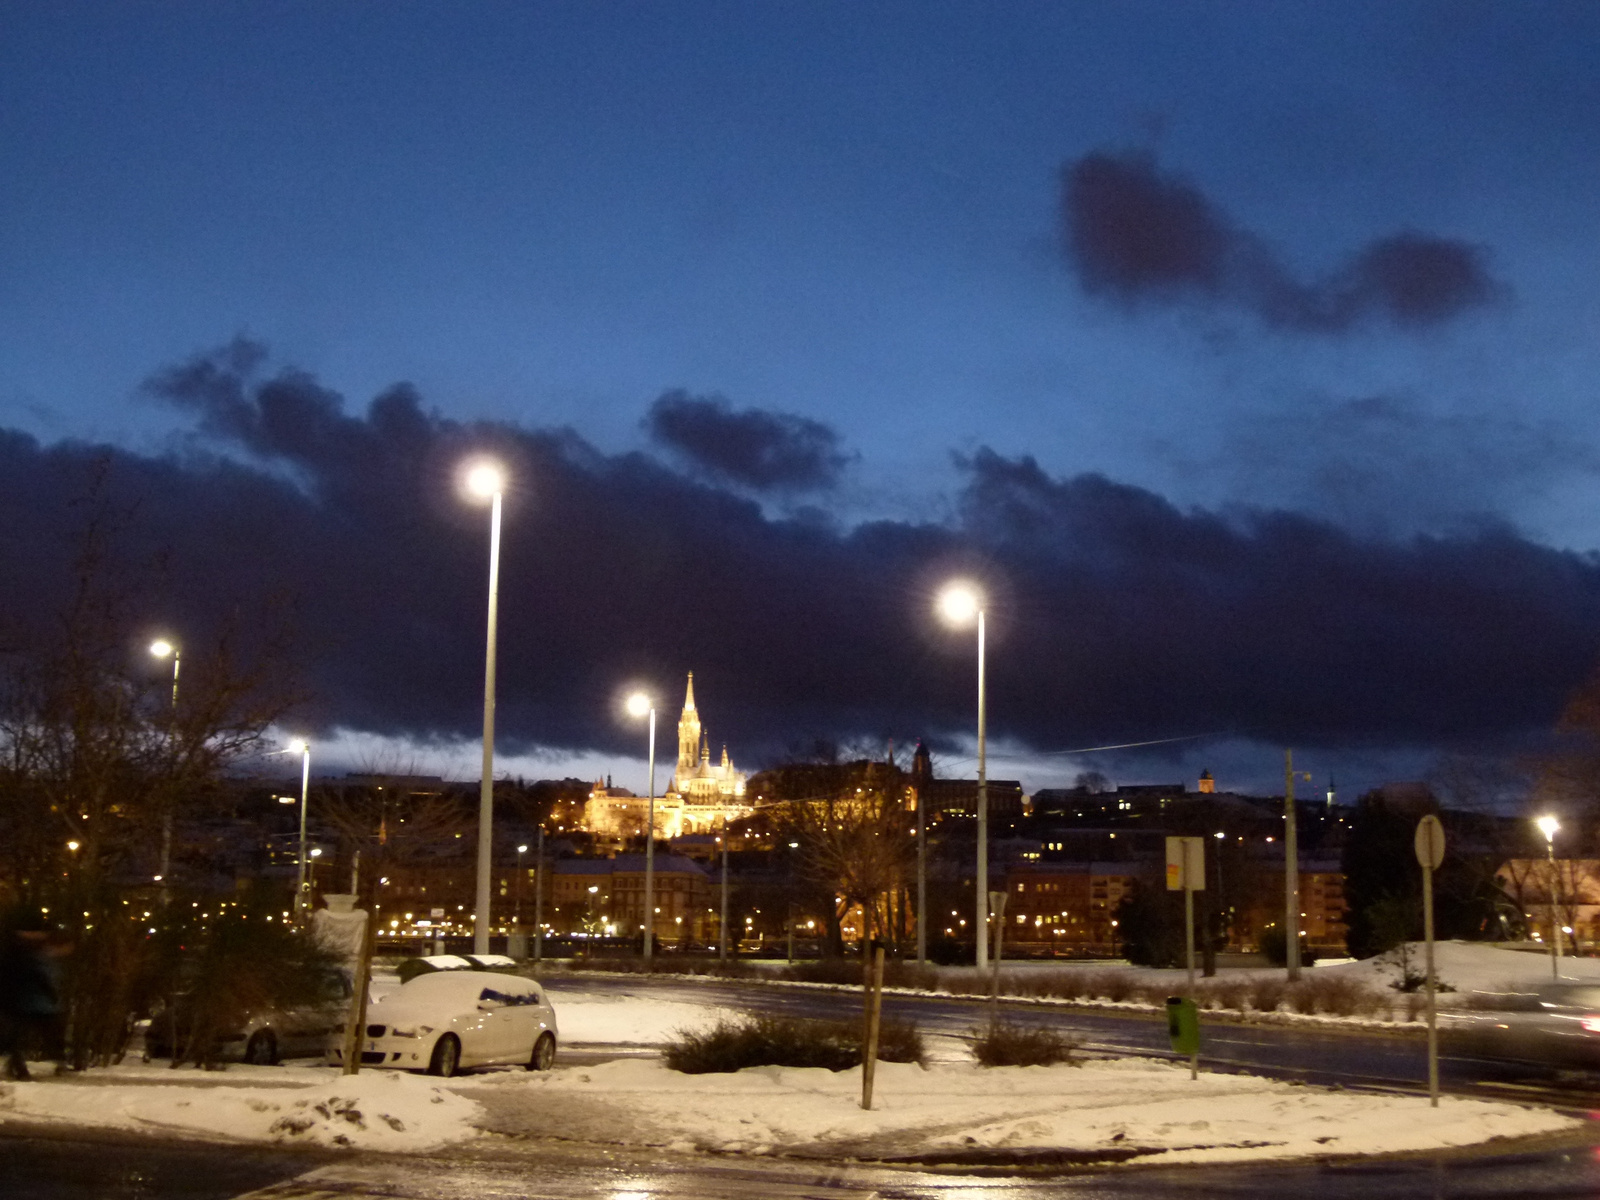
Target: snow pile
x,y
376,1110
1126,1108
635,1017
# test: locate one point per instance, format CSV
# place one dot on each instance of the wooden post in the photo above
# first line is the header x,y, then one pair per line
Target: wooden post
x,y
874,1012
355,1024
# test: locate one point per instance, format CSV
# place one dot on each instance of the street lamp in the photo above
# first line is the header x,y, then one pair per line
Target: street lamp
x,y
1549,826
640,704
486,481
162,648
303,748
960,602
516,917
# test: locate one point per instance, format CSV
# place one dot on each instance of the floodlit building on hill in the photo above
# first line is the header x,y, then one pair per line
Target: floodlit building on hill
x,y
703,797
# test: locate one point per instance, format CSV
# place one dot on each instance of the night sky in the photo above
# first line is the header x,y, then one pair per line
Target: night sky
x,y
1245,352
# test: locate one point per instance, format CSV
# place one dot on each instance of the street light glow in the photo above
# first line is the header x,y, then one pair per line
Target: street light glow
x,y
161,648
638,705
959,602
297,746
485,480
1549,827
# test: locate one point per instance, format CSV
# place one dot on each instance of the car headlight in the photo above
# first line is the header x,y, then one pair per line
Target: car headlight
x,y
414,1031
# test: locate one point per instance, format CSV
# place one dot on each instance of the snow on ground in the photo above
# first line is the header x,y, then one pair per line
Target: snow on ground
x,y
630,1016
1131,1108
1467,967
375,1110
1118,1107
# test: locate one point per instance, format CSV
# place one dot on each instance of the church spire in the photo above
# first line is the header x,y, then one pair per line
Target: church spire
x,y
688,734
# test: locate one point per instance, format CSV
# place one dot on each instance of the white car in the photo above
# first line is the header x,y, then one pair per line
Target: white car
x,y
446,1021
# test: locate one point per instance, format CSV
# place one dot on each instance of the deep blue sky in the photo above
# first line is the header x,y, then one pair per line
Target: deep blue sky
x,y
549,215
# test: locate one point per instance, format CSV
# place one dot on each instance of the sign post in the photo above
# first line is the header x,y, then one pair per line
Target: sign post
x,y
1186,869
1429,843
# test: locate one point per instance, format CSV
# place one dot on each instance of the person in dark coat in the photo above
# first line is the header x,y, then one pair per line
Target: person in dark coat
x,y
30,1001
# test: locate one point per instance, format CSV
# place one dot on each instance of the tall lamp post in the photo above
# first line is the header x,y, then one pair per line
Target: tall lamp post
x,y
486,482
1549,827
162,648
516,917
960,603
303,748
640,704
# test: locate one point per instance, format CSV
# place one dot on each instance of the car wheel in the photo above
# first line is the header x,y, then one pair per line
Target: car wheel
x,y
446,1060
262,1049
544,1053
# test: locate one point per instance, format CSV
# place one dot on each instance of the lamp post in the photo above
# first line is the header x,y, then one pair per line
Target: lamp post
x,y
516,915
538,897
485,481
722,921
960,602
303,748
162,648
638,705
1549,826
1291,868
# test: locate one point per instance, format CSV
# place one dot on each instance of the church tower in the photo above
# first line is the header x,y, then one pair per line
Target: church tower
x,y
689,735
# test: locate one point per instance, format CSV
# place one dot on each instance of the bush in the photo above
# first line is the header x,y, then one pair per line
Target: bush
x,y
1266,993
238,963
852,973
1336,995
1225,993
1116,986
767,1041
1004,1044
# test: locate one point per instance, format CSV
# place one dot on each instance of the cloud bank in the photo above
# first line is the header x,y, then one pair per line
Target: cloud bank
x,y
1114,615
1135,234
763,451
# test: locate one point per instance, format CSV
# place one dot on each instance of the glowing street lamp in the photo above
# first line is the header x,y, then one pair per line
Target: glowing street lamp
x,y
959,603
1549,826
162,648
639,704
486,481
303,748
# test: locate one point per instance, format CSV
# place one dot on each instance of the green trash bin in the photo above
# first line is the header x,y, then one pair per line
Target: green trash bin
x,y
1183,1023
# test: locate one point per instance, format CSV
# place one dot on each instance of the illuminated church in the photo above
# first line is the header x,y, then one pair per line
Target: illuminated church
x,y
702,798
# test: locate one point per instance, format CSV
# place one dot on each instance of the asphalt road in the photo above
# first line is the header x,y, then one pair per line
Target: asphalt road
x,y
48,1166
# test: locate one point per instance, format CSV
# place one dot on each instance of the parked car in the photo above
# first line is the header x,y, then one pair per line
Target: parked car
x,y
264,1036
1554,1026
446,1021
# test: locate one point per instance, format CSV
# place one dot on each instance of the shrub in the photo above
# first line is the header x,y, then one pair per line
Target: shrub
x,y
1265,993
852,973
238,963
1115,986
1225,993
768,1041
1004,1044
1336,995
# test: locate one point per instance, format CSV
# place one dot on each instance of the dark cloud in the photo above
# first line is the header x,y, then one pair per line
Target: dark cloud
x,y
1114,615
1387,464
1134,233
764,451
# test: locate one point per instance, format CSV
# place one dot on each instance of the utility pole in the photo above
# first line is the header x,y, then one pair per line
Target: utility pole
x,y
1291,869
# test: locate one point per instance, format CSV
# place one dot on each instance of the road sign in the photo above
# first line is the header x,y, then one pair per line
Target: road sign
x,y
1186,864
1430,842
